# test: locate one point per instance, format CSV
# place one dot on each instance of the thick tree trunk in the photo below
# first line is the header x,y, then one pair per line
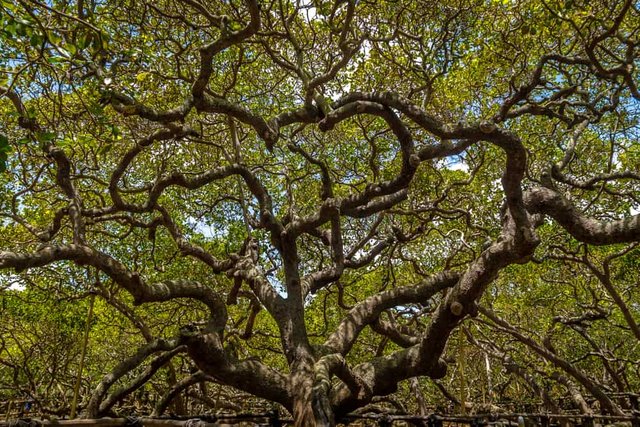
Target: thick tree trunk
x,y
302,408
311,404
322,411
313,410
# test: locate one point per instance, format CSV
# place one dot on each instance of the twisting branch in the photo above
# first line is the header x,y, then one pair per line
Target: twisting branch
x,y
249,375
120,393
585,229
141,291
95,402
369,309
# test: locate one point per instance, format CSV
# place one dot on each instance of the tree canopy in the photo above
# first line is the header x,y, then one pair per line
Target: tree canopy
x,y
301,201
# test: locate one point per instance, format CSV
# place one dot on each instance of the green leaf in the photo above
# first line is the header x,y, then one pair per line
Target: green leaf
x,y
11,29
83,41
55,60
54,38
72,49
36,40
143,76
4,150
46,136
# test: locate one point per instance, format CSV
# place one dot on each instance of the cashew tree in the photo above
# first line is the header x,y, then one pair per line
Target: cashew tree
x,y
326,188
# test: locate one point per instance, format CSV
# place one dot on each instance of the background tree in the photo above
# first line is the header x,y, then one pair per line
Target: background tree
x,y
311,196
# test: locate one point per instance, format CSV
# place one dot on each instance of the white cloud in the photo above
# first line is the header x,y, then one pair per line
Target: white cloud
x,y
457,166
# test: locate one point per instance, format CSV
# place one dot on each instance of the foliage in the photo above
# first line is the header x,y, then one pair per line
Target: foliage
x,y
325,205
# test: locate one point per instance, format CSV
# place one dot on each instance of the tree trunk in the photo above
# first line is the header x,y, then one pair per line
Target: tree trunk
x,y
311,409
310,388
